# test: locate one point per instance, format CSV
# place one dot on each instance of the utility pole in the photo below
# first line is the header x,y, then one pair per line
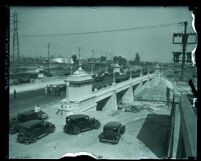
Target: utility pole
x,y
184,39
79,53
184,43
48,57
16,50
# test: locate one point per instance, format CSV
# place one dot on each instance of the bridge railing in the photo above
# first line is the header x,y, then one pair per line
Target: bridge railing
x,y
120,84
183,138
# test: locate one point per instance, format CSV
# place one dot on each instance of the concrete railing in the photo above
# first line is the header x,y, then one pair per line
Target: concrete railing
x,y
183,137
119,86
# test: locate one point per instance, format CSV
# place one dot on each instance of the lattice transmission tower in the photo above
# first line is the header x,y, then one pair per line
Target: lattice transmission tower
x,y
16,51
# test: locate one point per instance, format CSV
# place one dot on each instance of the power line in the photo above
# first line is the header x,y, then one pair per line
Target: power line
x,y
103,31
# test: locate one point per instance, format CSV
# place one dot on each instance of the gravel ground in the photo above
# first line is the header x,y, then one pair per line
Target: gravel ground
x,y
57,144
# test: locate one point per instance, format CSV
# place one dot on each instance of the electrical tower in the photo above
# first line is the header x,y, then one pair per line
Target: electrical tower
x,y
16,50
182,38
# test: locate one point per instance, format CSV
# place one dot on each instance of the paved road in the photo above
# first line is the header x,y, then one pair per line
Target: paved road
x,y
27,100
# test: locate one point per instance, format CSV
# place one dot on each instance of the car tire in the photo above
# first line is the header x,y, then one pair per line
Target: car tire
x,y
123,129
52,129
100,137
32,140
96,125
76,130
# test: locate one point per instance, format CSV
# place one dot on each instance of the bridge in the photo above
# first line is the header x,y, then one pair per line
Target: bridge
x,y
80,97
183,130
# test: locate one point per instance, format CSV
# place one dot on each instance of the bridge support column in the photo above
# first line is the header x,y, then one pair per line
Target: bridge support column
x,y
147,83
138,88
111,104
114,100
128,97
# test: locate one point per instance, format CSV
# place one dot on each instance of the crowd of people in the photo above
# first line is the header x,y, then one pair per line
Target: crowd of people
x,y
52,89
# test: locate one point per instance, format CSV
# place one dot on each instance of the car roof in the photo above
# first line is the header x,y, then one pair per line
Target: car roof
x,y
30,123
27,112
77,116
112,125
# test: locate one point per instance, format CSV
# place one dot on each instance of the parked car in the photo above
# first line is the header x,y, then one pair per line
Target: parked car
x,y
31,131
23,117
112,132
80,123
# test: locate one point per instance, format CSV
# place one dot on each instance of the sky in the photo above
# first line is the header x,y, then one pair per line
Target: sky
x,y
152,44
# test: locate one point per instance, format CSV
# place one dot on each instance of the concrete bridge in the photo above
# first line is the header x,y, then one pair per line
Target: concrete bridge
x,y
123,92
80,96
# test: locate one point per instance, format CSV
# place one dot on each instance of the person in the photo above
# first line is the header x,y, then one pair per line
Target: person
x,y
15,93
37,108
60,110
58,88
48,90
168,95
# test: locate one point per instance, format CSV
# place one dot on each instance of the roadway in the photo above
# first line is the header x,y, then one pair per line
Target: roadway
x,y
27,100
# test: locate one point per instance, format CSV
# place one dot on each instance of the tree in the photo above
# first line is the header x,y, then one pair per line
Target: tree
x,y
137,58
115,59
103,58
75,60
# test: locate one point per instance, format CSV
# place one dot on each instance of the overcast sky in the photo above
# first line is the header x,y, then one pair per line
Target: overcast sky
x,y
154,44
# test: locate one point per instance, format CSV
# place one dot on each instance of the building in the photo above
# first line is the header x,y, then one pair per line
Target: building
x,y
59,60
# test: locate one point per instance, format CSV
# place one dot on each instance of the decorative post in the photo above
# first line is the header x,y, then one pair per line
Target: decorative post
x,y
114,78
71,72
67,94
141,72
92,70
130,75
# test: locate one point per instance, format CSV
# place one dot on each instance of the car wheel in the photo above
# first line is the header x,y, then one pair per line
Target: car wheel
x,y
32,140
100,137
76,130
96,125
52,130
123,129
27,142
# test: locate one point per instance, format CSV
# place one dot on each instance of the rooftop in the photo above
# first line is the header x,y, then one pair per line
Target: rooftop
x,y
30,123
112,125
78,116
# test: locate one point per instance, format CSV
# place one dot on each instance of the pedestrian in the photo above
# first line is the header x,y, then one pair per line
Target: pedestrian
x,y
58,90
60,110
55,91
37,108
168,95
15,93
48,90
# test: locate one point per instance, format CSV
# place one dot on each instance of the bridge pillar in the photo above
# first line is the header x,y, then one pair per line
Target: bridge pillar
x,y
146,84
128,97
111,104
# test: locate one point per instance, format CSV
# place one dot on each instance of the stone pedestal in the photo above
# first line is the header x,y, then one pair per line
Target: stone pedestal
x,y
79,97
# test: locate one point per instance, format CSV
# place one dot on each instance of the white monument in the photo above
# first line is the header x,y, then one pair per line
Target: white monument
x,y
79,92
116,68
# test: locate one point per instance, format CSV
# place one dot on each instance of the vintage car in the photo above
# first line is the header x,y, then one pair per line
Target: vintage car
x,y
23,117
80,123
33,130
112,132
